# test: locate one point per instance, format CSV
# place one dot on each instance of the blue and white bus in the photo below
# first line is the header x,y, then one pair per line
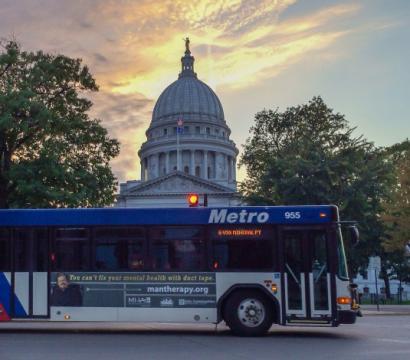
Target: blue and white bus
x,y
248,266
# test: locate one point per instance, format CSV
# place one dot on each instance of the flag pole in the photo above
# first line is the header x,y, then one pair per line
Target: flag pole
x,y
178,169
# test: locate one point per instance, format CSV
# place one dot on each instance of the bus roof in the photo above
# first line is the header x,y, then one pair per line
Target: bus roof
x,y
308,214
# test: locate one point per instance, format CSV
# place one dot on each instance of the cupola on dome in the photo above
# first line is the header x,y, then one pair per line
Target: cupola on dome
x,y
188,98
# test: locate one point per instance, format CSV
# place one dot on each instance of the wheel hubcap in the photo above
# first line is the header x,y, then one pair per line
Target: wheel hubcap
x,y
251,312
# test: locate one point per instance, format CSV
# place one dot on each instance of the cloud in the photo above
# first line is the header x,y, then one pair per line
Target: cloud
x,y
235,43
133,48
126,117
100,58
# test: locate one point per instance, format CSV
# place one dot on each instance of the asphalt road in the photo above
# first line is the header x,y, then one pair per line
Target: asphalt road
x,y
373,337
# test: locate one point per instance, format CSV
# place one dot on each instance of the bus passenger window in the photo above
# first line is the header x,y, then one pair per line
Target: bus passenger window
x,y
242,248
30,249
177,248
5,250
72,249
119,248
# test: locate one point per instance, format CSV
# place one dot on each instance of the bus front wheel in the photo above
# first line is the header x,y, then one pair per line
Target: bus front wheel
x,y
248,313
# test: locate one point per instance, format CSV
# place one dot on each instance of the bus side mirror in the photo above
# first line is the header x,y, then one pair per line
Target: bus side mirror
x,y
354,235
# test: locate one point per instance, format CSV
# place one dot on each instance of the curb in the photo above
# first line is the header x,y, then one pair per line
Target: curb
x,y
384,313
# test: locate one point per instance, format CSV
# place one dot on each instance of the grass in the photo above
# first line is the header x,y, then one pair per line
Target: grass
x,y
385,302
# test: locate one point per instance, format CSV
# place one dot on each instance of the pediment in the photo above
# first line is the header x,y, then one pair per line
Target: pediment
x,y
177,183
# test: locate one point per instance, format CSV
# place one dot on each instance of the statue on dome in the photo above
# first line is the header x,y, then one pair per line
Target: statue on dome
x,y
187,45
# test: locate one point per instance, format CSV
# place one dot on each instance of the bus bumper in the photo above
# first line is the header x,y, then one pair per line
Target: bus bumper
x,y
346,316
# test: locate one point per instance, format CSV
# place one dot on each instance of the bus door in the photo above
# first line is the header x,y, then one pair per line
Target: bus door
x,y
307,278
30,273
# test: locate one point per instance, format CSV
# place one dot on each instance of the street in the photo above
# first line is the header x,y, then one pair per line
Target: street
x,y
372,337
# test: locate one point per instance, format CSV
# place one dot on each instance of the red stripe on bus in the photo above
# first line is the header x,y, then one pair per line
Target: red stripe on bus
x,y
3,314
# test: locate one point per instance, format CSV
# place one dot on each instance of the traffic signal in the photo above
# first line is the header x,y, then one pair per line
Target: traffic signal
x,y
193,200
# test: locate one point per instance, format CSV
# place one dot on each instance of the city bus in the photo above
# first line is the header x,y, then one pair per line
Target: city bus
x,y
251,267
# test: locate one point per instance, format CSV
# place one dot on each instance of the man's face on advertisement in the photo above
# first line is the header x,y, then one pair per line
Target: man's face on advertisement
x,y
62,282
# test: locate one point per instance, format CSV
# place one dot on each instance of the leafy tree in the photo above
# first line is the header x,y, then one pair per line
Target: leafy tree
x,y
51,153
397,207
399,269
396,216
309,155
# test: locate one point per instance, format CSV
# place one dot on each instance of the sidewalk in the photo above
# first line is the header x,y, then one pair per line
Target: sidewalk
x,y
385,310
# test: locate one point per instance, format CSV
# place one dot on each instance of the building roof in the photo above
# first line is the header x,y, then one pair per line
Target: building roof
x,y
176,182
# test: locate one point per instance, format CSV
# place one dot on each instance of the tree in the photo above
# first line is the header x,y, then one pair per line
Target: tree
x,y
51,153
397,208
399,268
308,155
396,215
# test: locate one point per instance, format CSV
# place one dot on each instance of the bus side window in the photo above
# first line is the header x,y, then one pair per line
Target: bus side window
x,y
30,249
5,250
242,248
119,248
72,249
177,248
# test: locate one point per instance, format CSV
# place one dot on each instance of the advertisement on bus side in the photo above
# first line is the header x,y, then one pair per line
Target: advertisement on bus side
x,y
151,290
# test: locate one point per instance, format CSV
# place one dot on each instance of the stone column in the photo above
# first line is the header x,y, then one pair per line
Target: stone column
x,y
167,162
205,165
148,168
220,166
234,169
192,162
179,160
153,166
230,168
142,169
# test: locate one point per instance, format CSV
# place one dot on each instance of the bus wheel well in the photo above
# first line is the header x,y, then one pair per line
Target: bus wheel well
x,y
256,288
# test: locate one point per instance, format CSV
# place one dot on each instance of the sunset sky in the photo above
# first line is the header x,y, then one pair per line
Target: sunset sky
x,y
254,54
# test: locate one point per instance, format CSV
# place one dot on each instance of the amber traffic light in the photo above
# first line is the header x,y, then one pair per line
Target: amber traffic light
x,y
193,200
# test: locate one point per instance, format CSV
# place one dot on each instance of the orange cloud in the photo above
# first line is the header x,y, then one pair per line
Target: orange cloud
x,y
252,43
133,48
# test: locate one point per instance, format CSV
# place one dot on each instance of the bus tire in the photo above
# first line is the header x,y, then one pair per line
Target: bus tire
x,y
248,313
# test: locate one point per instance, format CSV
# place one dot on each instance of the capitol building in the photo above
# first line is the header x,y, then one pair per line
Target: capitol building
x,y
188,148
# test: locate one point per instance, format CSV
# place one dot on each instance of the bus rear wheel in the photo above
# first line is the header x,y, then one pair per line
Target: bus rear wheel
x,y
248,313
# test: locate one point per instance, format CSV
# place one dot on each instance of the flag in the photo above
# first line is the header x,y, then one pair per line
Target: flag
x,y
180,126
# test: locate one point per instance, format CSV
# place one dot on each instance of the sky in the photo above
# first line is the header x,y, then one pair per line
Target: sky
x,y
255,54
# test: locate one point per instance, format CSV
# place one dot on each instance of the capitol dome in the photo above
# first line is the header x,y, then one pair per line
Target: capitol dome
x,y
188,98
188,133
